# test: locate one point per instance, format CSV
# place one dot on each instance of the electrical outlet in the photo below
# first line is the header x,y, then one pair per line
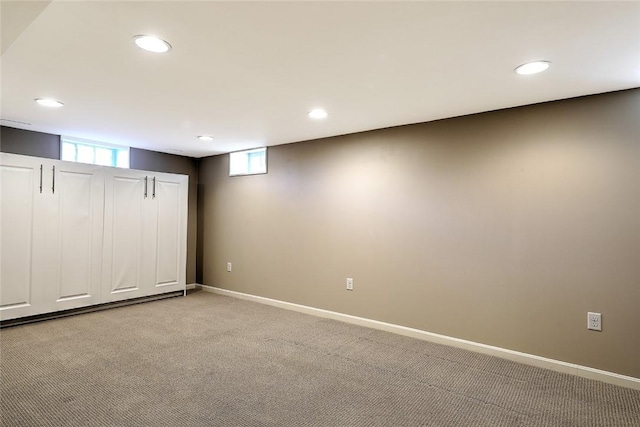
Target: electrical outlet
x,y
229,267
349,283
594,321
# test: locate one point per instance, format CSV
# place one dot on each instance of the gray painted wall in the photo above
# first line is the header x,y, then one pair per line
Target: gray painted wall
x,y
29,143
502,228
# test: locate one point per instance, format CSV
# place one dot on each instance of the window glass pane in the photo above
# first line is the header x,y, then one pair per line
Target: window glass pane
x,y
98,153
238,163
256,162
68,152
248,162
122,158
85,153
104,156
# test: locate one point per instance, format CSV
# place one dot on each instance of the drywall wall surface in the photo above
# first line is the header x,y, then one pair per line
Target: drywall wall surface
x,y
503,228
29,143
163,162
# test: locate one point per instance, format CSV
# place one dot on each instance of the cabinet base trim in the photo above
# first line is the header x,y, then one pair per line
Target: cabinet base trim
x,y
90,309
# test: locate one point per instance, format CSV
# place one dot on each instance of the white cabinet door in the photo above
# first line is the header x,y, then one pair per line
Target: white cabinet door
x,y
145,234
20,203
167,218
126,192
74,235
51,235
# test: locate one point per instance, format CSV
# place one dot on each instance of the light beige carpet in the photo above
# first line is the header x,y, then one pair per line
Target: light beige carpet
x,y
208,360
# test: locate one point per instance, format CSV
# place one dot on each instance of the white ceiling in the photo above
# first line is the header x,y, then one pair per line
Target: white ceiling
x,y
248,73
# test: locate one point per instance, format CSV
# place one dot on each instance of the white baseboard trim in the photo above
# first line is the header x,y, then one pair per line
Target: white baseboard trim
x,y
192,286
516,356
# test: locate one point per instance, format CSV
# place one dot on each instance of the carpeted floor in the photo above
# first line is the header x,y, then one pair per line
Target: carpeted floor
x,y
208,360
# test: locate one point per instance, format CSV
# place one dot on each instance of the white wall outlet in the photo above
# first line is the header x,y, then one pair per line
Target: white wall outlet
x,y
594,321
229,267
349,283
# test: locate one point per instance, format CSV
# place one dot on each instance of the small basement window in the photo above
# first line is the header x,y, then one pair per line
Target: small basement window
x,y
248,162
97,153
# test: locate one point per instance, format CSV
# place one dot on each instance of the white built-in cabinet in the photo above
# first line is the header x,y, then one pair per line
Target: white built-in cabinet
x,y
74,235
144,244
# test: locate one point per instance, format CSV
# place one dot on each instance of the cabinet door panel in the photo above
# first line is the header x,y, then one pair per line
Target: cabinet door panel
x,y
19,184
80,195
75,235
123,235
127,237
168,232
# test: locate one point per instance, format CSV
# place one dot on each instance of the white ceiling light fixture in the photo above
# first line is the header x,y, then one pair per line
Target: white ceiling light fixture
x,y
318,114
205,138
46,102
534,67
152,44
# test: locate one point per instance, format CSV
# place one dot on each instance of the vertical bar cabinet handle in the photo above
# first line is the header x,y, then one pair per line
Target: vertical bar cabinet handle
x,y
154,187
53,181
145,187
40,178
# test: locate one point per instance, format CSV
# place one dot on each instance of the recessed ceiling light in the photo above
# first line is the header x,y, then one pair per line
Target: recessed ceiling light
x,y
318,114
152,44
205,138
49,102
532,67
